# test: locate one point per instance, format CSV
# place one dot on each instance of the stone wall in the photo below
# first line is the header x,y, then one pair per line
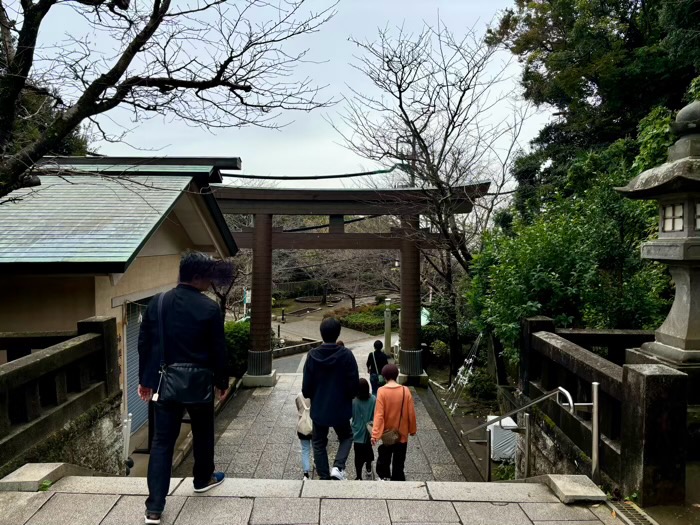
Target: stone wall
x,y
93,440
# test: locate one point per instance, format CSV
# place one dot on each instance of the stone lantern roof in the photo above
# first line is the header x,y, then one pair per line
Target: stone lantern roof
x,y
681,173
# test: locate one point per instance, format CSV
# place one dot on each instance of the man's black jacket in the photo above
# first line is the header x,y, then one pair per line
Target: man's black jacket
x,y
382,361
194,333
331,381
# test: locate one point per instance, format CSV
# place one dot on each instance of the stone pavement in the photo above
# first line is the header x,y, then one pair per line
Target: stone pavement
x,y
120,501
261,441
309,328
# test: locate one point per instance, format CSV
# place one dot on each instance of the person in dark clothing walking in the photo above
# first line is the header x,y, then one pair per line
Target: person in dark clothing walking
x,y
193,332
376,361
331,380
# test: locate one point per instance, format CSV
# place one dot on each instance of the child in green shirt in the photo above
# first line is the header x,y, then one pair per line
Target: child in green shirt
x,y
363,413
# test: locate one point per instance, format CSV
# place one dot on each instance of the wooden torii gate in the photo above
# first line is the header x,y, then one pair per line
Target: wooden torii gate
x,y
409,204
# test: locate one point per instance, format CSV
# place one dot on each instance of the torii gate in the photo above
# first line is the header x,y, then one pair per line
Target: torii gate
x,y
409,204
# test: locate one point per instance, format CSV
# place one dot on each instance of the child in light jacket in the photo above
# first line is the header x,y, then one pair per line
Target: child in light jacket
x,y
363,413
304,431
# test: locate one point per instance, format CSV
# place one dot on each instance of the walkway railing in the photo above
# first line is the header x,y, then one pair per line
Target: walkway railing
x,y
641,416
595,470
43,391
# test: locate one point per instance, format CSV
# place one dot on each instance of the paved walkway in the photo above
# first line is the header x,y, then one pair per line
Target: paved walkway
x,y
120,501
309,328
261,441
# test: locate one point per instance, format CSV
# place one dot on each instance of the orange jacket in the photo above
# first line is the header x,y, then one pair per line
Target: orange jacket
x,y
387,412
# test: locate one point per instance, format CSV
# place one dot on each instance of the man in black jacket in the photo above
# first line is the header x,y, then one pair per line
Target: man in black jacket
x,y
193,332
331,381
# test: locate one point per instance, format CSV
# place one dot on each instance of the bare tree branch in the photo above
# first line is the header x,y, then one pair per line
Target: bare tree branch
x,y
210,63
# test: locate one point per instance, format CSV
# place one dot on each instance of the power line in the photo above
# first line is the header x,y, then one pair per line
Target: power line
x,y
318,177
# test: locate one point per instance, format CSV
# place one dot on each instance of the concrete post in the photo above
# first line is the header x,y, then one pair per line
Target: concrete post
x,y
387,327
653,447
260,354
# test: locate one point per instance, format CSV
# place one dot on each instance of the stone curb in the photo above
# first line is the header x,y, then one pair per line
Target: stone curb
x,y
29,477
478,463
572,488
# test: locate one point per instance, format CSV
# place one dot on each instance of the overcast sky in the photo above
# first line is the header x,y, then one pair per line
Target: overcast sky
x,y
309,145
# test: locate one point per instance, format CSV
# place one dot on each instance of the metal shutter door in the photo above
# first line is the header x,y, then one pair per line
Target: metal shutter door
x,y
138,409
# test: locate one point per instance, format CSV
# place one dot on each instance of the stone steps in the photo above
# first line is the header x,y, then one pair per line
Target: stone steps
x,y
104,500
265,488
79,500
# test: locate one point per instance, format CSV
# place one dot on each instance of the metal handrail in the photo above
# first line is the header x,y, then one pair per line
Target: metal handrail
x,y
595,439
543,397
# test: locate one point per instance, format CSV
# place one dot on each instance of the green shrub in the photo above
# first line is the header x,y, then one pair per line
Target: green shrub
x,y
237,344
481,385
366,318
434,332
504,471
440,353
440,348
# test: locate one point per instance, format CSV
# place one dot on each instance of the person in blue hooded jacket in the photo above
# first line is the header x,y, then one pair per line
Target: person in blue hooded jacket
x,y
331,380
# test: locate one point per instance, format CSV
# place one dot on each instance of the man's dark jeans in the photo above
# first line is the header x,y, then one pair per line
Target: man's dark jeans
x,y
320,442
167,420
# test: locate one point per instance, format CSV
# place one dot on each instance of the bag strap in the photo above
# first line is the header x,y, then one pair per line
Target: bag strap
x,y
161,342
376,368
403,398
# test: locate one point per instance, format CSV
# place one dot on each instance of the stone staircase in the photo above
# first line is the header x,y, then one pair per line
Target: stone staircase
x,y
103,500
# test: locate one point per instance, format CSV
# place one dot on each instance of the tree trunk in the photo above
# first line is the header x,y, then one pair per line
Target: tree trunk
x,y
352,300
452,325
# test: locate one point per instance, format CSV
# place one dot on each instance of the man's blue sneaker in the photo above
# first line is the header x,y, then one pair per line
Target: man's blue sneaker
x,y
217,478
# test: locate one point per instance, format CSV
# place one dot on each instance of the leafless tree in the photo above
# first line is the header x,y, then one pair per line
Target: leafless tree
x,y
434,108
210,63
352,273
225,274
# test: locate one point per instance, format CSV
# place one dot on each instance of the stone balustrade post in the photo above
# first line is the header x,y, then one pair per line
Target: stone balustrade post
x,y
107,328
529,326
653,447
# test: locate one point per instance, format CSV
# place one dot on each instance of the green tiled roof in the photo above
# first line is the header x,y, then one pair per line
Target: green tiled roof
x,y
126,169
85,221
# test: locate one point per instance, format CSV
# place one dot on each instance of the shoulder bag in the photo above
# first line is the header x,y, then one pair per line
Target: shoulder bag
x,y
305,426
392,436
380,377
184,383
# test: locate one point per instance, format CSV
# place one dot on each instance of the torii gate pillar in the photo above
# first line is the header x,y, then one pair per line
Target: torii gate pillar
x,y
410,362
260,371
410,286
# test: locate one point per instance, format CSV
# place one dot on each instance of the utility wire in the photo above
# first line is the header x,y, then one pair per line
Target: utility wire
x,y
318,177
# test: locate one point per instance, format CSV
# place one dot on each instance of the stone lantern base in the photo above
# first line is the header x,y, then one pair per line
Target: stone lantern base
x,y
678,339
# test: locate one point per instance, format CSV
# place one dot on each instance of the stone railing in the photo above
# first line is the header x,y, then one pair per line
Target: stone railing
x,y
641,407
43,392
610,343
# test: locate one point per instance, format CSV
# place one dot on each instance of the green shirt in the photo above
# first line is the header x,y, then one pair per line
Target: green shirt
x,y
362,413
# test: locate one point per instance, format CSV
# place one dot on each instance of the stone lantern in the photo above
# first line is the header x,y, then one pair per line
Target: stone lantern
x,y
675,185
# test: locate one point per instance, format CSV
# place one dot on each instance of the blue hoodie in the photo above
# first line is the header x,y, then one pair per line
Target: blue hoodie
x,y
331,381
